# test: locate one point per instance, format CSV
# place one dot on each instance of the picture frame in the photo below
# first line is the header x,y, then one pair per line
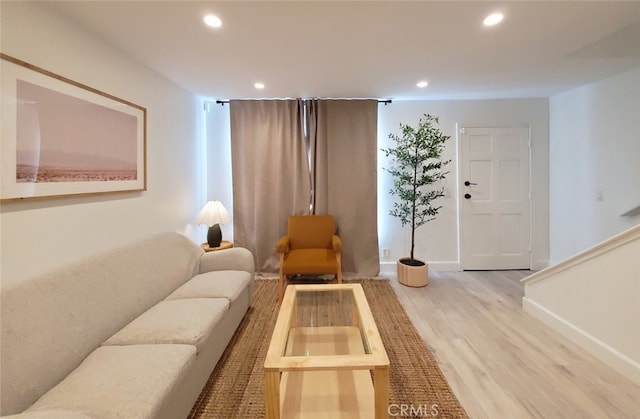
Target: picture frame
x,y
60,137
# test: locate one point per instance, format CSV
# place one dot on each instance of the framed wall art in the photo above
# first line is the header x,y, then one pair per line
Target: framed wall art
x,y
61,137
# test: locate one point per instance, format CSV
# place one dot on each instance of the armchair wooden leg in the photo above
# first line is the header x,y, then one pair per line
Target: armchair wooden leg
x,y
280,288
281,281
339,276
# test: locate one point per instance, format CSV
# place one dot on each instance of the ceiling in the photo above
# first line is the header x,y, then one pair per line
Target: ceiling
x,y
378,49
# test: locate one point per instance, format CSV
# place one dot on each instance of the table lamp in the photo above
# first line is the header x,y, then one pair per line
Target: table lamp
x,y
213,214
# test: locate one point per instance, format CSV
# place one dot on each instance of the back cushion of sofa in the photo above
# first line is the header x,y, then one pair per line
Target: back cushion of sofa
x,y
51,323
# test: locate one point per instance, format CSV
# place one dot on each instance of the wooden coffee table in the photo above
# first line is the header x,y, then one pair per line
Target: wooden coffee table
x,y
324,346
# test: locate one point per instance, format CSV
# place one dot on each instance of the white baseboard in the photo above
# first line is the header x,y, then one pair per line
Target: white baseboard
x,y
616,360
387,268
445,266
538,265
390,267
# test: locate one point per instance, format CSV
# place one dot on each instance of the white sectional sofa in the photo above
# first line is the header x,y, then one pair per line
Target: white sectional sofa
x,y
132,333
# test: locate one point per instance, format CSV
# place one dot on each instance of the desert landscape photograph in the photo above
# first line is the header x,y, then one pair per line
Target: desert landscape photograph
x,y
61,138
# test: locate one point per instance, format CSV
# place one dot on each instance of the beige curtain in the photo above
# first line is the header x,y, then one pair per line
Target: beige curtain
x,y
343,141
270,171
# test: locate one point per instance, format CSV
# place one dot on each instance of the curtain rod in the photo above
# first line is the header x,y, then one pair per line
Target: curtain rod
x,y
385,101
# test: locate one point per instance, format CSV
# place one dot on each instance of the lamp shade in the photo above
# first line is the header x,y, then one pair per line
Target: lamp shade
x,y
213,213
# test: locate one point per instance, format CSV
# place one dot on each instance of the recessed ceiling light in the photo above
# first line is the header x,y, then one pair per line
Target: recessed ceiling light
x,y
213,21
258,85
493,19
422,84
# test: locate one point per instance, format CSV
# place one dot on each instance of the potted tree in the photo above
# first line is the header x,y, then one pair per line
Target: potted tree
x,y
416,168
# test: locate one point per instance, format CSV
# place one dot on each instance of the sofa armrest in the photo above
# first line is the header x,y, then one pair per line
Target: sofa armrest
x,y
237,259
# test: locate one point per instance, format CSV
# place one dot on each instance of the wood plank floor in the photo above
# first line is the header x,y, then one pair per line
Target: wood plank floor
x,y
503,363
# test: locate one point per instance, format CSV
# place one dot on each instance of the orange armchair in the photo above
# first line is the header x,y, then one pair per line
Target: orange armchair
x,y
310,247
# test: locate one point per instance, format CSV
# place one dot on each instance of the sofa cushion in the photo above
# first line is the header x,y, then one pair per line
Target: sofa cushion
x,y
217,284
49,414
178,321
121,381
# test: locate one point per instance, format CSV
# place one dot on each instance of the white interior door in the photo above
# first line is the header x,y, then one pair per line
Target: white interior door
x,y
494,212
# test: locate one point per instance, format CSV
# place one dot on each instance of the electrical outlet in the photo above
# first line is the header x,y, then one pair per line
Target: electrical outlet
x,y
385,253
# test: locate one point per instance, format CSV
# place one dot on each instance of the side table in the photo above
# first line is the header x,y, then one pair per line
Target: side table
x,y
223,245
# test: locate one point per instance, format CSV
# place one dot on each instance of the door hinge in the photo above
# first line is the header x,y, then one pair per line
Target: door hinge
x,y
463,131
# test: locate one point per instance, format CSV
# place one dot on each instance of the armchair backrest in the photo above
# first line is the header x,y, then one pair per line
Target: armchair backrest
x,y
311,231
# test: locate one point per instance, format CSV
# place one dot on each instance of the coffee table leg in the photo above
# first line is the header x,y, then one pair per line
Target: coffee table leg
x,y
381,391
272,394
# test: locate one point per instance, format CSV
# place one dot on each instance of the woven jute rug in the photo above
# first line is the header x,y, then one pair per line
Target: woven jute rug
x,y
417,386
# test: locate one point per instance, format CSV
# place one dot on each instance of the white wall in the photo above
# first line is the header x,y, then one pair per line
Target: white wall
x,y
437,241
37,236
594,150
594,300
219,179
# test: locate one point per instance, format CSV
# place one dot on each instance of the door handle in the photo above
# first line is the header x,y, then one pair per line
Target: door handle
x,y
467,183
467,196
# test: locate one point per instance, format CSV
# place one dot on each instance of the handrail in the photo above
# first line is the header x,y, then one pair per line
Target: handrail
x,y
614,242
